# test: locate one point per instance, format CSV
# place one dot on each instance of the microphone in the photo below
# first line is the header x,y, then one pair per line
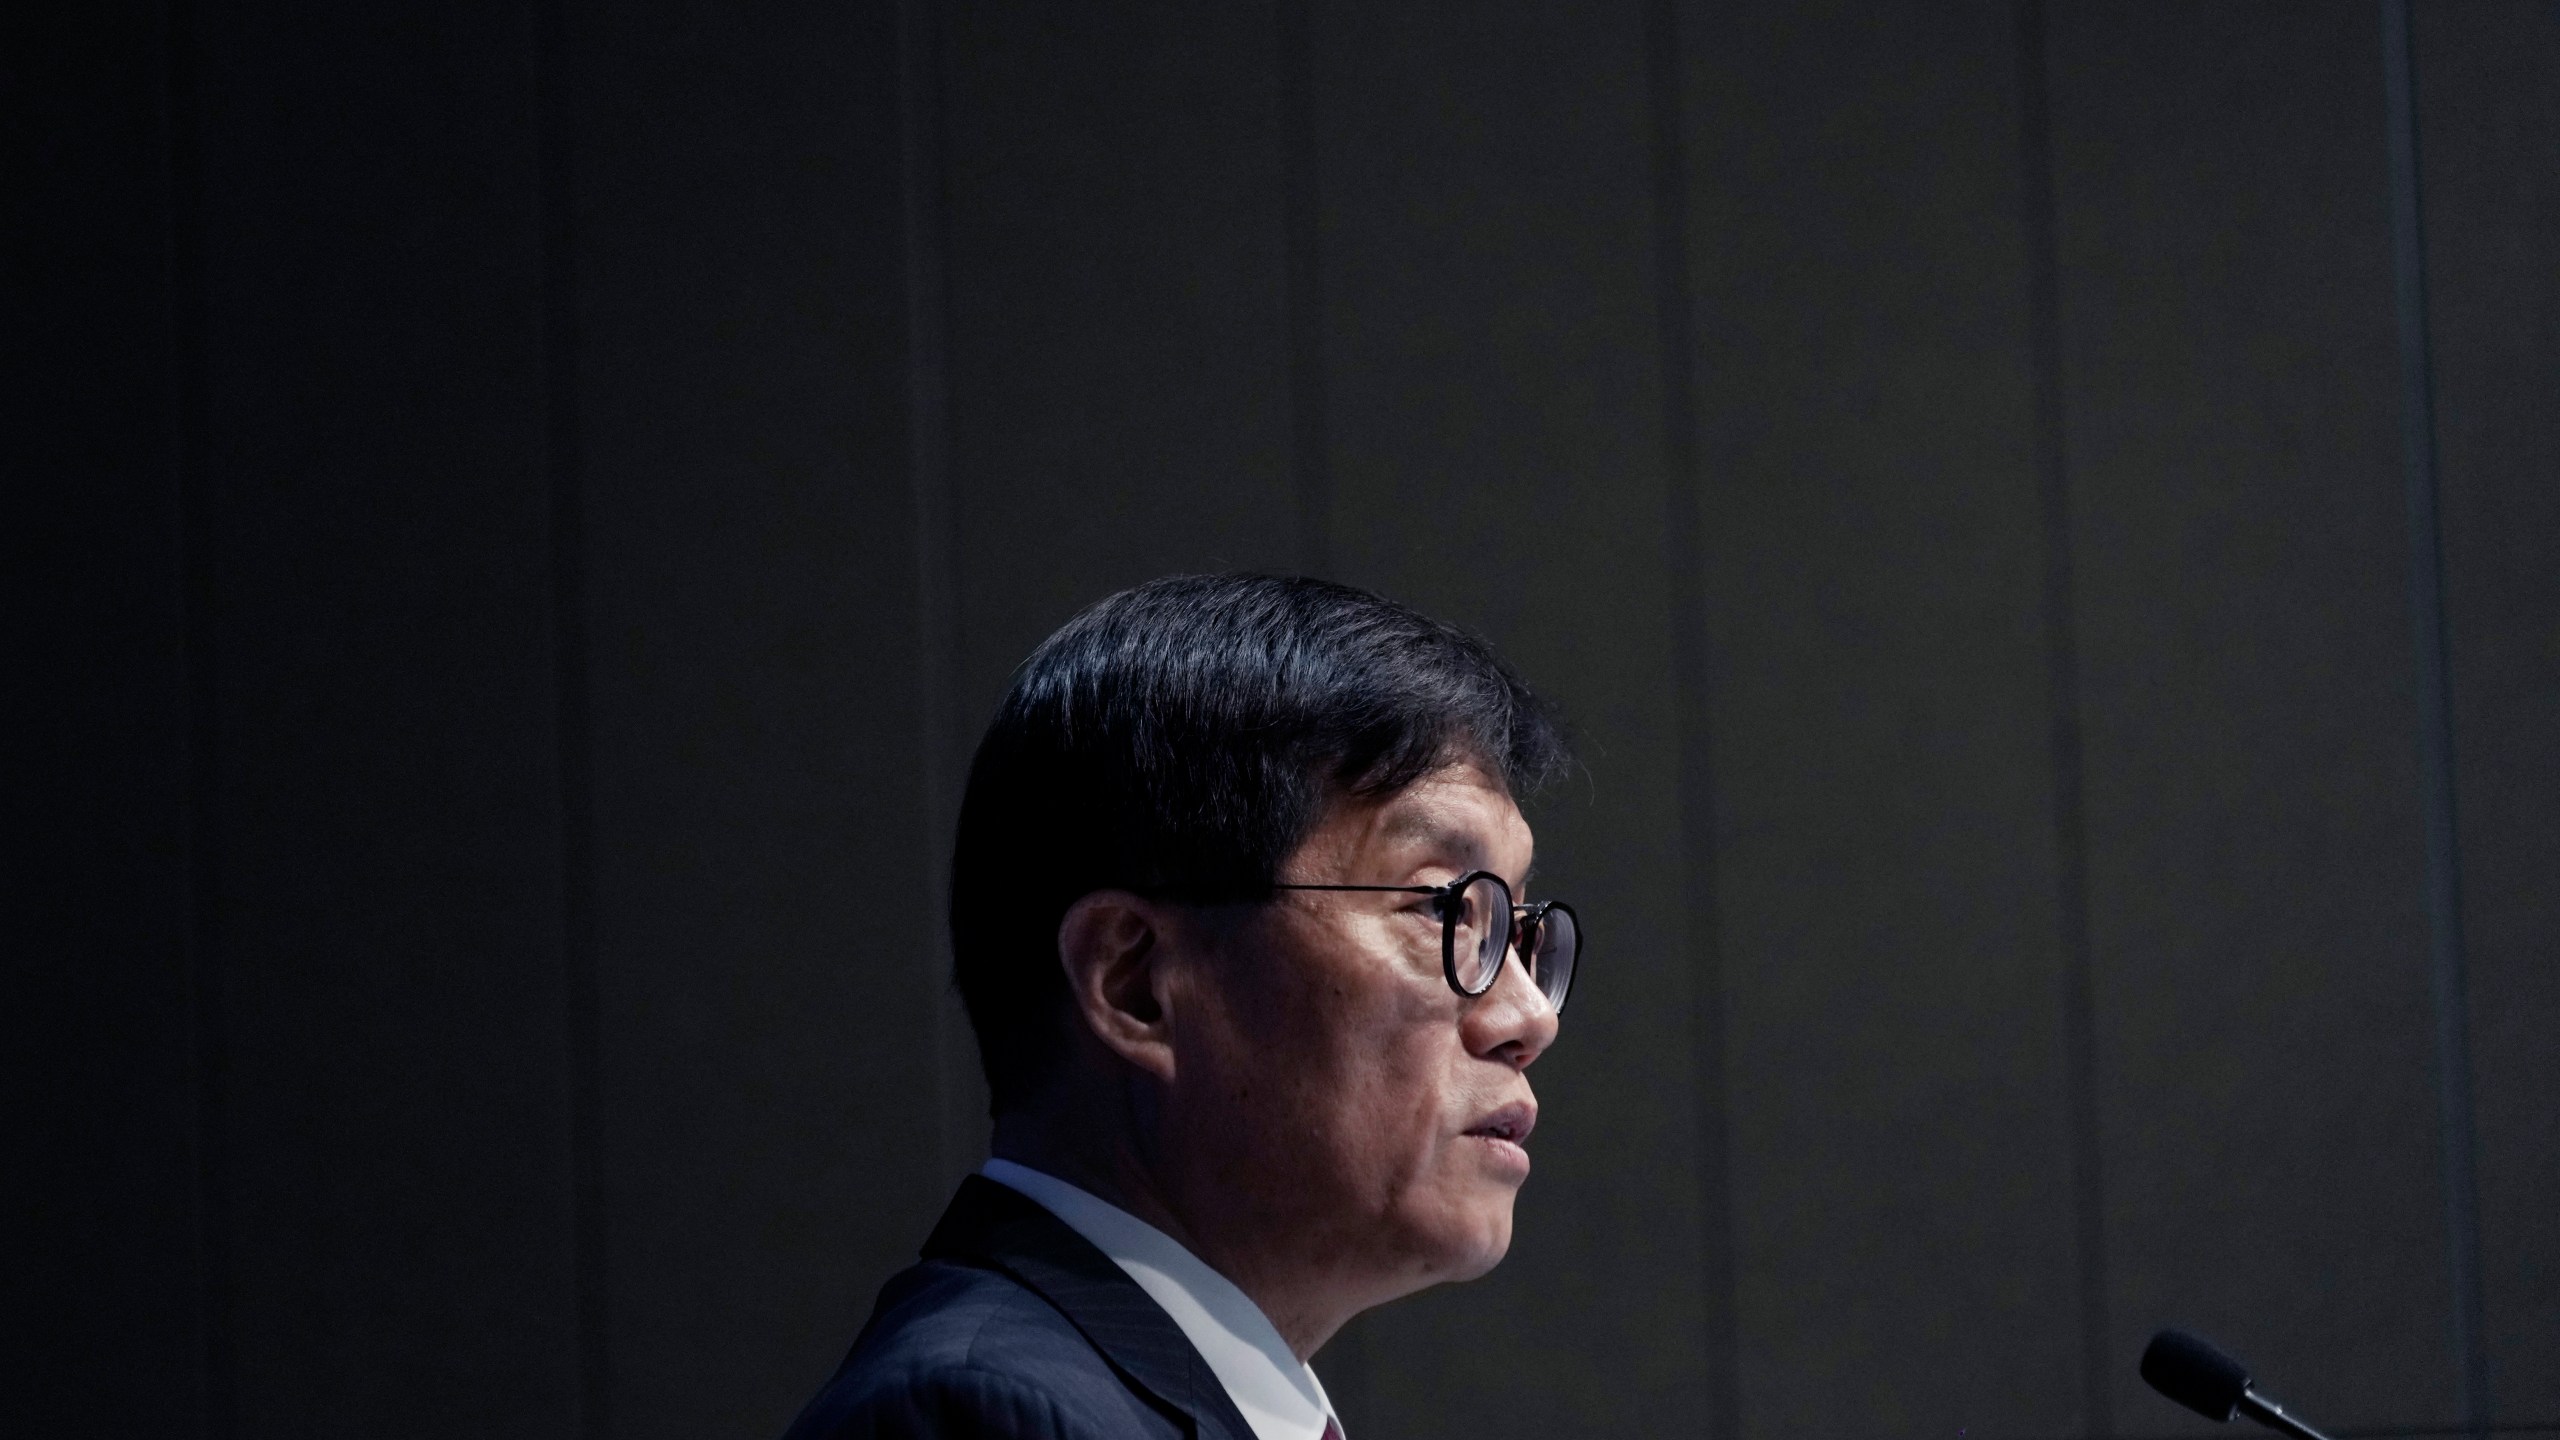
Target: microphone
x,y
2193,1373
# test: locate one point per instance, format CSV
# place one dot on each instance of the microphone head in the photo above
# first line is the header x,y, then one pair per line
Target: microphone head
x,y
2193,1373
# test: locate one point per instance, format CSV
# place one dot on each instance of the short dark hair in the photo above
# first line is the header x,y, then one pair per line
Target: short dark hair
x,y
1179,740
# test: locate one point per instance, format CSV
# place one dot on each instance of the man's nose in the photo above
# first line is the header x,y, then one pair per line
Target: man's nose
x,y
1513,1021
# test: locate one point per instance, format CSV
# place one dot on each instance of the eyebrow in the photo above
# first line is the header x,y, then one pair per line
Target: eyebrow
x,y
1421,825
1415,825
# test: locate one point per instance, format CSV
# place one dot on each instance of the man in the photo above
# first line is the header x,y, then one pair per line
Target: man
x,y
1238,914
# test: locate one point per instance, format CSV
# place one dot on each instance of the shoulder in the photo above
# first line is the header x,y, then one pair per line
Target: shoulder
x,y
959,1350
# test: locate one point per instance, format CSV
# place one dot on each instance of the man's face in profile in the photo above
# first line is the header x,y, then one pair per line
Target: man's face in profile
x,y
1342,1093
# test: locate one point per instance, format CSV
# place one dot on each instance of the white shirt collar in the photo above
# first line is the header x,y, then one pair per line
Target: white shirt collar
x,y
1276,1392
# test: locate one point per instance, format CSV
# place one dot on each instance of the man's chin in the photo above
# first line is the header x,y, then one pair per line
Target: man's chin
x,y
1461,1237
1483,1262
1479,1242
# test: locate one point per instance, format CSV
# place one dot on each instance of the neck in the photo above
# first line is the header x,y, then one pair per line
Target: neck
x,y
1114,1168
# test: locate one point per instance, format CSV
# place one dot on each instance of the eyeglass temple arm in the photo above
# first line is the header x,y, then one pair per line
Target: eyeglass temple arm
x,y
1380,889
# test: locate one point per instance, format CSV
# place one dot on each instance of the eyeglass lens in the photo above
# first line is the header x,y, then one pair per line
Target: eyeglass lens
x,y
1552,953
1482,932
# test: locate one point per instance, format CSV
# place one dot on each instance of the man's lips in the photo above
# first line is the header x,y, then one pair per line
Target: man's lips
x,y
1512,1122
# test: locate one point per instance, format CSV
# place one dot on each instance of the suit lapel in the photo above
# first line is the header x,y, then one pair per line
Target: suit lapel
x,y
996,1225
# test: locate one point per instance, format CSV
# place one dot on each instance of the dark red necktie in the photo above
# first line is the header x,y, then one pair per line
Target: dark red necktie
x,y
1332,1431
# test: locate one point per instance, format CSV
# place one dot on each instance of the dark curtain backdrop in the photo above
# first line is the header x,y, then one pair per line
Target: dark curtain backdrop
x,y
2043,514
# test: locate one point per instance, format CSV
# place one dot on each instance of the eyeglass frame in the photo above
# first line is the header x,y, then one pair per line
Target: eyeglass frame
x,y
1449,907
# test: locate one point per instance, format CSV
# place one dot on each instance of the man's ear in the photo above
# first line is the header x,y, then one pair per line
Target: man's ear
x,y
1112,946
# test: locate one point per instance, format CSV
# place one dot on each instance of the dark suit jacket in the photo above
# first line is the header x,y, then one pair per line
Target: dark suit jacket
x,y
1015,1325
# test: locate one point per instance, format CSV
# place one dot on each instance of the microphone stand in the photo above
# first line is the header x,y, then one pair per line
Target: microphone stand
x,y
2270,1414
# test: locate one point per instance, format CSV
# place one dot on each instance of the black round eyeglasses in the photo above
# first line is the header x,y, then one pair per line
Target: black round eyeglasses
x,y
1479,926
